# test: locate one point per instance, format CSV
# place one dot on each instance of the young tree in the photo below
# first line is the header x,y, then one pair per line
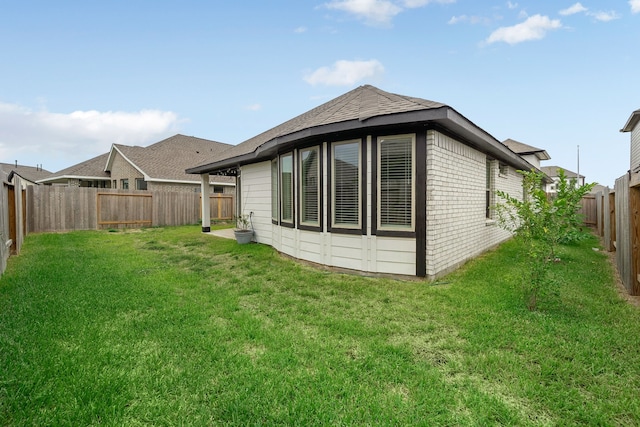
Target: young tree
x,y
542,222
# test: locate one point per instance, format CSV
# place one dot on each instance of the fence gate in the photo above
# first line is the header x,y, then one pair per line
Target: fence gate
x,y
589,210
121,209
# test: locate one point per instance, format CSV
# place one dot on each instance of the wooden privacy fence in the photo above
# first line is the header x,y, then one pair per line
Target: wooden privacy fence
x,y
51,209
589,210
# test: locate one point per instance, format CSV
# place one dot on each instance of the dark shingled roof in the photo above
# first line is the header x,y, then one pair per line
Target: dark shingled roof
x,y
362,108
92,168
552,171
524,149
168,159
359,104
31,173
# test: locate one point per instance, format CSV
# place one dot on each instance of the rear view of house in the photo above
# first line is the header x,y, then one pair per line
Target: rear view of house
x,y
375,182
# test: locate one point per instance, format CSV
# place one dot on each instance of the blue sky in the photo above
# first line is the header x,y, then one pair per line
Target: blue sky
x,y
77,76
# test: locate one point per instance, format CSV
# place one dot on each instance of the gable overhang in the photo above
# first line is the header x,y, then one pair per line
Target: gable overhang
x,y
632,122
443,117
112,157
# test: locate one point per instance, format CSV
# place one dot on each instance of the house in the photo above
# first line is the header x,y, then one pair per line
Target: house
x,y
375,182
531,154
160,166
633,127
29,174
553,172
89,173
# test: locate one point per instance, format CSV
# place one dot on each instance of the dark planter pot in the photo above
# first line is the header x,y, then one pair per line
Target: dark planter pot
x,y
243,236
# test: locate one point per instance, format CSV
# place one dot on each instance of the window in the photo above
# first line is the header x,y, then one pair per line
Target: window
x,y
488,188
141,184
274,190
286,182
396,166
310,186
346,184
124,184
218,189
504,169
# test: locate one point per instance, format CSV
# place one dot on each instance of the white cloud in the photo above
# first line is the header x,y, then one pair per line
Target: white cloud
x,y
470,19
534,28
58,140
379,12
576,8
300,30
411,4
254,107
604,16
345,73
635,6
512,5
375,12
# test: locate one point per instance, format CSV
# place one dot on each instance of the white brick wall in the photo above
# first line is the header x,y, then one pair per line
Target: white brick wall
x,y
457,227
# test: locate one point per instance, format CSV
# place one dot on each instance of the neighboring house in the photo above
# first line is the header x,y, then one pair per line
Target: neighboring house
x,y
160,166
633,127
29,174
531,154
553,172
376,182
89,173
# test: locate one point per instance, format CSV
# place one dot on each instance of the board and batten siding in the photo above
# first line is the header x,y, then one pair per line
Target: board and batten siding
x,y
635,148
256,197
457,226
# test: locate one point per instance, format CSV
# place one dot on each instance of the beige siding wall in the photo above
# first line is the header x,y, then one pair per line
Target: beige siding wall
x,y
635,147
122,169
457,227
256,197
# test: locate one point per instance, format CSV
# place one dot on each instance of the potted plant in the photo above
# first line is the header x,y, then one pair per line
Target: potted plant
x,y
242,231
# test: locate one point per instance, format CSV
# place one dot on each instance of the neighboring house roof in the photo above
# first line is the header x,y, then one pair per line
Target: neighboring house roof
x,y
92,169
524,149
167,160
363,107
632,122
553,171
29,173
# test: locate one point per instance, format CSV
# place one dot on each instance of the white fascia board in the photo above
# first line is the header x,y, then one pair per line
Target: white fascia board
x,y
63,177
180,181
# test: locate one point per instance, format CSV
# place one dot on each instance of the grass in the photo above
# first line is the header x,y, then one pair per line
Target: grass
x,y
167,326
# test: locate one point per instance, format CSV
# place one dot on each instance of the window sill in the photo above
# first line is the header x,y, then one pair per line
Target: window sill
x,y
490,222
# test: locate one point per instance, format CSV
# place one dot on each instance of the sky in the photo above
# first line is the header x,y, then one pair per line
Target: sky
x,y
78,76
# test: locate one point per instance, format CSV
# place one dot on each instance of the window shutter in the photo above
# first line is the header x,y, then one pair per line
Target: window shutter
x,y
346,187
310,186
396,182
286,181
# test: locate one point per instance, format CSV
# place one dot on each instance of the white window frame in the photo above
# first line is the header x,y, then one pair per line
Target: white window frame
x,y
302,184
334,181
385,227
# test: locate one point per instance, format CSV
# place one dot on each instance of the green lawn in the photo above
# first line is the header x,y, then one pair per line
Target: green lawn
x,y
173,327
